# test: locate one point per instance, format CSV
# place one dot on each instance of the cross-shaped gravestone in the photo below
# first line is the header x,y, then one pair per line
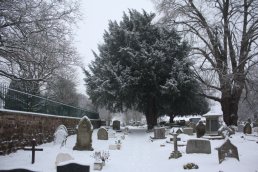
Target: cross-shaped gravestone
x,y
33,149
175,154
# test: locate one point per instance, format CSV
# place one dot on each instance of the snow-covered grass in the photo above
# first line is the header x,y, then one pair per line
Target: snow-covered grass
x,y
139,154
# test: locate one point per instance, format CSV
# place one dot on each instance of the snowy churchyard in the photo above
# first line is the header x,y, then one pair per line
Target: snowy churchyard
x,y
137,151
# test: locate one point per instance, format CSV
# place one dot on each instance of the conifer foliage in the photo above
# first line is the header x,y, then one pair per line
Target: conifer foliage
x,y
140,65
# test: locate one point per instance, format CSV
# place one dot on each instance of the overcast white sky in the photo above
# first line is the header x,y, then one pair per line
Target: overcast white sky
x,y
96,14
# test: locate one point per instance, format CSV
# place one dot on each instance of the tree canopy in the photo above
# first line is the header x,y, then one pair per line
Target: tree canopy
x,y
141,66
224,42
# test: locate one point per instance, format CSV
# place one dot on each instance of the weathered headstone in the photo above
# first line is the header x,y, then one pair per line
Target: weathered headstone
x,y
159,133
33,149
188,131
73,167
200,129
198,146
193,126
227,150
247,128
60,135
102,134
175,154
84,135
116,125
240,128
63,157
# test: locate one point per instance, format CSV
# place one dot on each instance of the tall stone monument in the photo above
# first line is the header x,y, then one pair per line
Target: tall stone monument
x,y
84,135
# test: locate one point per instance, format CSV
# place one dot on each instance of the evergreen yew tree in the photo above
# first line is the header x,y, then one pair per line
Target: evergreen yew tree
x,y
140,65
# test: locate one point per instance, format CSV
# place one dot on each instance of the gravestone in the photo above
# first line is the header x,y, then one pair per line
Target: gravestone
x,y
193,126
73,167
33,149
62,157
116,125
227,149
247,128
198,146
159,133
60,135
175,154
240,128
188,131
102,134
84,135
200,129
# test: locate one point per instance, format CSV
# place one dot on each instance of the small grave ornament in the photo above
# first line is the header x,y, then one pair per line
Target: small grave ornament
x,y
100,159
227,149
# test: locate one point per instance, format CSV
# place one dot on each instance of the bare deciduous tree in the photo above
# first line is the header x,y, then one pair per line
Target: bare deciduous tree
x,y
35,37
224,40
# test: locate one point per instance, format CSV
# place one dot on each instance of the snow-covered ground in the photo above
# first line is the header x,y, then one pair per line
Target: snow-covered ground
x,y
139,154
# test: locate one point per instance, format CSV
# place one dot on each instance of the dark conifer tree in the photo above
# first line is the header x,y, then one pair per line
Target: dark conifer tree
x,y
140,65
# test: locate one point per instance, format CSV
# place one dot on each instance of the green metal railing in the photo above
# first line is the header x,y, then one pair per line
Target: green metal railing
x,y
17,100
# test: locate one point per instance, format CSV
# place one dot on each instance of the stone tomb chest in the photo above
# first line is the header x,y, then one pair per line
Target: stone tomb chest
x,y
212,124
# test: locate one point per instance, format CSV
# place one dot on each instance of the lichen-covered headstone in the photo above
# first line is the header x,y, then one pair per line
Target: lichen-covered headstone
x,y
247,128
102,134
84,135
200,129
60,135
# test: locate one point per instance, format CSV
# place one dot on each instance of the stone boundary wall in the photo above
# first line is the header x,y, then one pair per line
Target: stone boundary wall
x,y
18,128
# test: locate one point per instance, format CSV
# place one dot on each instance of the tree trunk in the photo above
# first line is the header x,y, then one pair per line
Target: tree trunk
x,y
229,104
229,109
151,113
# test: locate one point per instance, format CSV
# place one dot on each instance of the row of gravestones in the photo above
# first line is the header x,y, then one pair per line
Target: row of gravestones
x,y
203,146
